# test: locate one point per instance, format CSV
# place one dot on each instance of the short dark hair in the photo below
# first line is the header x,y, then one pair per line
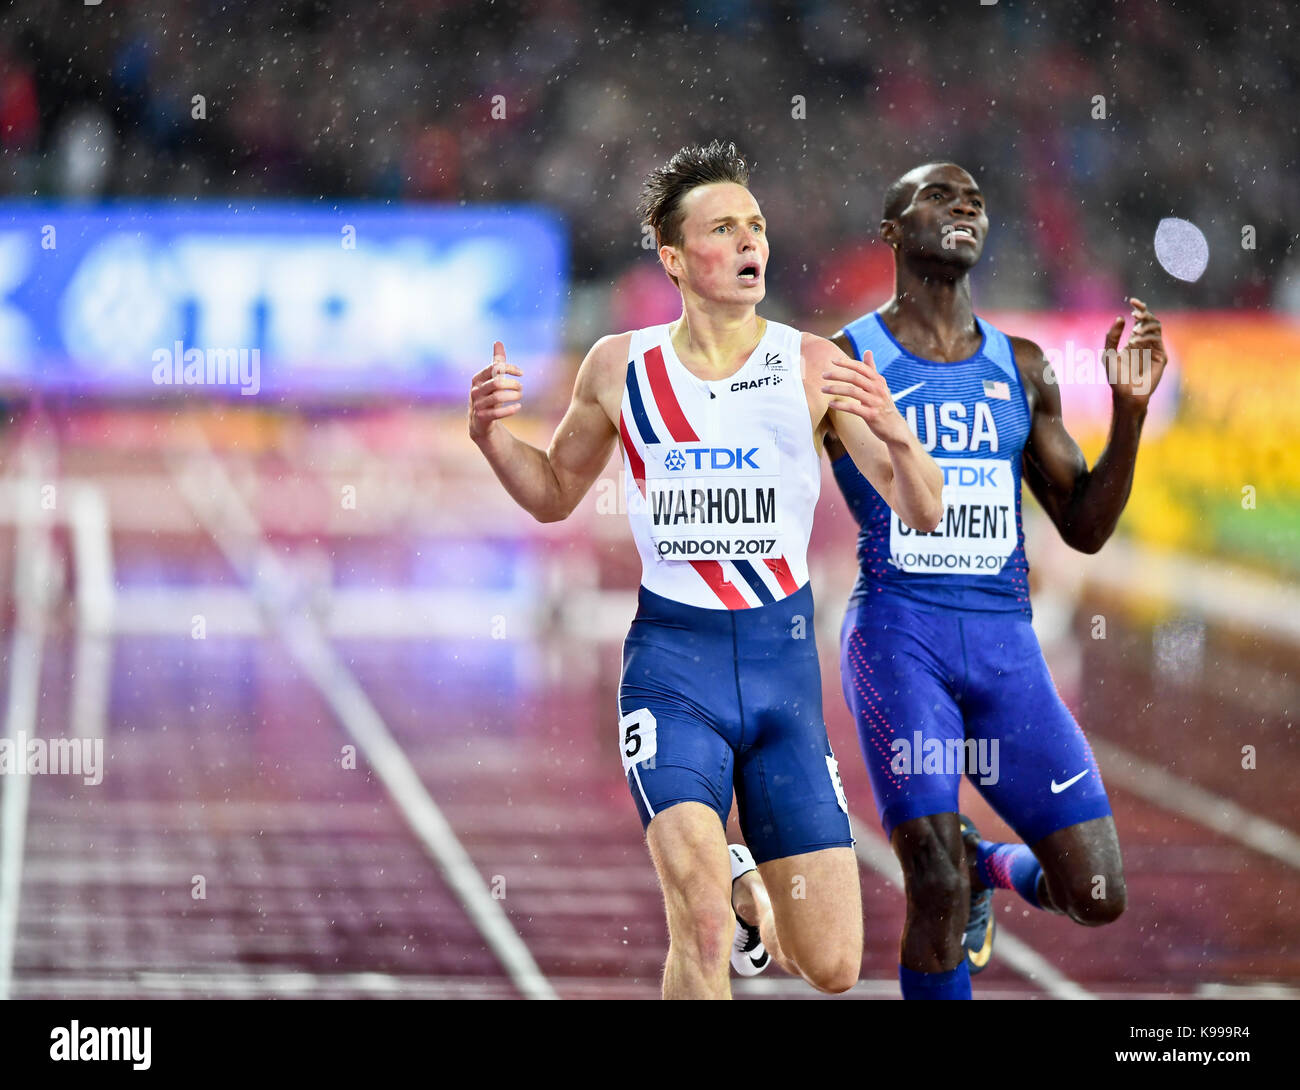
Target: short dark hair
x,y
662,191
899,195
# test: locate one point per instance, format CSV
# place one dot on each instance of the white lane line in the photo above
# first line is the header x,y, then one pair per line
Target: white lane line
x,y
1169,792
1201,585
1212,989
874,852
33,569
286,982
350,612
233,526
92,550
196,982
354,709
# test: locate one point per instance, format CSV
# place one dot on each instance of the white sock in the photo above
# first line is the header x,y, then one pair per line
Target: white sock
x,y
741,861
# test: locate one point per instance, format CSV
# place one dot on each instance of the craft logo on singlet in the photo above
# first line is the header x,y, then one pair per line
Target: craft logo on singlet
x,y
775,369
713,501
756,384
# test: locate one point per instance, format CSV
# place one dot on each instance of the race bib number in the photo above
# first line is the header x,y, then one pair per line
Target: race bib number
x,y
833,767
978,529
713,501
638,738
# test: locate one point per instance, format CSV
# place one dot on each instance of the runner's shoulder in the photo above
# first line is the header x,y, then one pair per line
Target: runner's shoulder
x,y
1029,357
605,366
840,340
1031,363
818,350
612,350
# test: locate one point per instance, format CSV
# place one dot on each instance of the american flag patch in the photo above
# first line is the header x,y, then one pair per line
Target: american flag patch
x,y
1000,390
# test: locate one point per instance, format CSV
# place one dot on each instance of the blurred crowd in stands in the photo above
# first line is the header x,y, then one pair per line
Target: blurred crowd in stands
x,y
1085,124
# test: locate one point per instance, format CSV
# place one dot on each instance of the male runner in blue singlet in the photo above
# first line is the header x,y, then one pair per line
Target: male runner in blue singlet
x,y
939,662
721,416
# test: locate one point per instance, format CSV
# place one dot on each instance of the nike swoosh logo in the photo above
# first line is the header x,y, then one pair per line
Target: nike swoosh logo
x,y
904,393
1057,788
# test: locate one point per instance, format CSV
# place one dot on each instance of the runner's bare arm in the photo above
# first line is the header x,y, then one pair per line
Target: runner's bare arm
x,y
547,484
1085,504
851,396
830,441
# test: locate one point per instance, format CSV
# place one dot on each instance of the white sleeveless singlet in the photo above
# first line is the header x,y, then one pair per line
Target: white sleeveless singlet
x,y
721,477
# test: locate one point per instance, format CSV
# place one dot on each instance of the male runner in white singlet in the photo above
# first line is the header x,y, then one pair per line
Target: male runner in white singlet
x,y
721,416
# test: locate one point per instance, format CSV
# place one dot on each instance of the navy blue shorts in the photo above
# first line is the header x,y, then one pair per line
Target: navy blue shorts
x,y
936,694
716,700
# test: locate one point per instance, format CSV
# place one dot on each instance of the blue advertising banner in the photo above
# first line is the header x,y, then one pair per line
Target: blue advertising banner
x,y
281,299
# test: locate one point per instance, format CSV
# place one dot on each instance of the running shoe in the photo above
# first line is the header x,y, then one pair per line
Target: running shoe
x,y
748,955
980,926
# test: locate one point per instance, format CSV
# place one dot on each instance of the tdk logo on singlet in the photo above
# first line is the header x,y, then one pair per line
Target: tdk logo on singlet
x,y
966,476
950,431
717,458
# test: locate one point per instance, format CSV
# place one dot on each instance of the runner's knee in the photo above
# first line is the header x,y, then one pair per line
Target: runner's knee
x,y
701,925
938,894
934,871
941,892
711,933
701,921
831,971
1095,900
